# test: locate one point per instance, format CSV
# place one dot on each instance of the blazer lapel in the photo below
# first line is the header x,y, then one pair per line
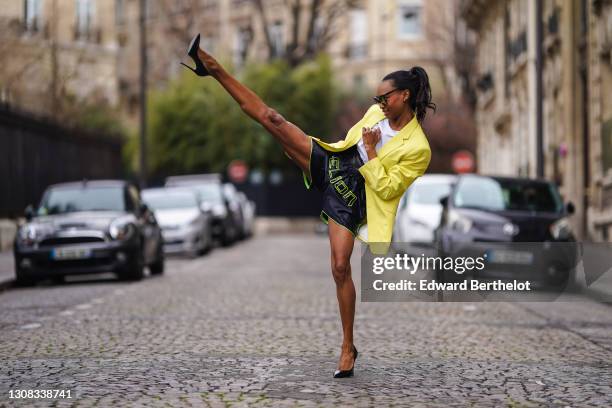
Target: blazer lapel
x,y
401,137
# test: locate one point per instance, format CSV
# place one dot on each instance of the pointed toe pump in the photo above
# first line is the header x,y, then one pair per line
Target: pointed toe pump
x,y
347,373
192,51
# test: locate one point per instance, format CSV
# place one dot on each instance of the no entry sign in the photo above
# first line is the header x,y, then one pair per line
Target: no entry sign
x,y
238,171
463,162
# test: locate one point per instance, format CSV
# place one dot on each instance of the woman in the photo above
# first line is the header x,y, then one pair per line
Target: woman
x,y
367,172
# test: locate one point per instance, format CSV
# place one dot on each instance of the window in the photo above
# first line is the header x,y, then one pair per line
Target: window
x,y
84,18
358,47
32,15
410,16
276,37
318,31
119,12
242,40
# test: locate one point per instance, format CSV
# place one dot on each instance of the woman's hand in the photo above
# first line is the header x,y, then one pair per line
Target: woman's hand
x,y
370,138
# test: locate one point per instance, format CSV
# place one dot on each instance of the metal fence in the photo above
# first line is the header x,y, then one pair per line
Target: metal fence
x,y
35,153
289,198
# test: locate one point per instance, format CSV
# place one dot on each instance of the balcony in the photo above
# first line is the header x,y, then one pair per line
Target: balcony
x,y
88,34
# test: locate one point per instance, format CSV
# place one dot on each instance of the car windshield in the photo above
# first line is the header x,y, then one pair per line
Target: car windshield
x,y
164,200
514,195
88,198
428,193
210,192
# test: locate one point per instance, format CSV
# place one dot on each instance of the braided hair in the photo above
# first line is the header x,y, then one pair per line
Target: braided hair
x,y
417,82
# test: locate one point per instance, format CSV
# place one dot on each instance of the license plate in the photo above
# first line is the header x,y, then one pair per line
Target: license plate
x,y
510,257
70,253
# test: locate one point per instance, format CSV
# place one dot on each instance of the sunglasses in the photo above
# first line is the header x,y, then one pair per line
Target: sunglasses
x,y
383,99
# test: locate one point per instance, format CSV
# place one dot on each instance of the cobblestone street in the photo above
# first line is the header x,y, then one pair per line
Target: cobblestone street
x,y
257,324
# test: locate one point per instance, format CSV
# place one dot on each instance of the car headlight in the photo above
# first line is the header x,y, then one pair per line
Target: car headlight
x,y
28,234
561,230
459,222
121,231
219,210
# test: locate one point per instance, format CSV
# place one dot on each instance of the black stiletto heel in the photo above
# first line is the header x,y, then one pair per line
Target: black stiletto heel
x,y
192,51
347,373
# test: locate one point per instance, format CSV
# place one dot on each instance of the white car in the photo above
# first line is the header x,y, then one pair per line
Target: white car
x,y
418,213
185,227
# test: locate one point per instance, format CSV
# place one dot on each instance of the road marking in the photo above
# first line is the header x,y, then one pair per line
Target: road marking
x,y
31,326
66,313
83,306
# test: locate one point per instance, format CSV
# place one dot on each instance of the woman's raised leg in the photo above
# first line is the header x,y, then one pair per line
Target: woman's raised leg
x,y
342,242
293,140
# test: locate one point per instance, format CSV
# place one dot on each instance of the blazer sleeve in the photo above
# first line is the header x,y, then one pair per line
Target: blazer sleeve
x,y
392,182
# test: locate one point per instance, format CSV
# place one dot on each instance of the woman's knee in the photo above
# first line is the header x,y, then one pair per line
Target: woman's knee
x,y
341,269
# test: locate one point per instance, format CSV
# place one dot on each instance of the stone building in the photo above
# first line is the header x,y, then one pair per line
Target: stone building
x,y
56,51
544,90
91,47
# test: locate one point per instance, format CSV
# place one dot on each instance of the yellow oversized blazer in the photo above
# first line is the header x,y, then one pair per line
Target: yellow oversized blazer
x,y
399,162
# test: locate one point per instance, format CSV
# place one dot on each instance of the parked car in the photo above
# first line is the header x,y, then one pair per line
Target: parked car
x,y
88,227
212,197
236,207
418,213
186,228
514,221
248,213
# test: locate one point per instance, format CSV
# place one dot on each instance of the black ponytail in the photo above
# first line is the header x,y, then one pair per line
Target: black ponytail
x,y
417,82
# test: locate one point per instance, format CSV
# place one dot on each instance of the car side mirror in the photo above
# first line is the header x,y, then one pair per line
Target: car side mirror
x,y
29,212
444,201
570,208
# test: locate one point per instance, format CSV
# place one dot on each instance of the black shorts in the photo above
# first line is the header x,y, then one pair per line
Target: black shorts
x,y
337,176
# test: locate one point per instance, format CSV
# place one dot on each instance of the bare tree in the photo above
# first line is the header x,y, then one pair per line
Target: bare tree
x,y
456,49
322,16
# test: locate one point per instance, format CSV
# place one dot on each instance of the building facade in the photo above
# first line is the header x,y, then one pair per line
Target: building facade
x,y
58,49
544,91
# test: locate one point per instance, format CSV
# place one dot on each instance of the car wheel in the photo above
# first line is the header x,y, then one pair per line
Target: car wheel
x,y
157,268
205,242
23,281
227,239
58,280
134,270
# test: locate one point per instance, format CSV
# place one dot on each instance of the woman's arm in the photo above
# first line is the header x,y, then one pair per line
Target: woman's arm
x,y
389,184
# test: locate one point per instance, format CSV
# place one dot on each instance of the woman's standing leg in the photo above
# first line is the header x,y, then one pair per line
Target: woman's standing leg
x,y
342,242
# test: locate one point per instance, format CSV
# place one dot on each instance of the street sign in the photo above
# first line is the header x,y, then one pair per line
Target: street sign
x,y
463,162
238,171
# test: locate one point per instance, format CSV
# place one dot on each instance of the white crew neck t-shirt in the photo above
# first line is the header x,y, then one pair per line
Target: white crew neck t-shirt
x,y
386,134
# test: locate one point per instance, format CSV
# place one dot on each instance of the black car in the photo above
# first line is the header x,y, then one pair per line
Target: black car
x,y
520,225
225,221
88,227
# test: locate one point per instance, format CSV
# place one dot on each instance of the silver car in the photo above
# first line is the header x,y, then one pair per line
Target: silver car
x,y
185,227
248,213
418,214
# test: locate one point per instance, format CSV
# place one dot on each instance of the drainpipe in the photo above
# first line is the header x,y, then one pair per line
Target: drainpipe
x,y
539,94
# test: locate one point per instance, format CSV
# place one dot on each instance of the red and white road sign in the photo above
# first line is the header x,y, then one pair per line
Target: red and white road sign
x,y
238,171
463,162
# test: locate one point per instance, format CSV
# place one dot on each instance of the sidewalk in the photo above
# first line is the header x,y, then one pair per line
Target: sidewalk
x,y
7,269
